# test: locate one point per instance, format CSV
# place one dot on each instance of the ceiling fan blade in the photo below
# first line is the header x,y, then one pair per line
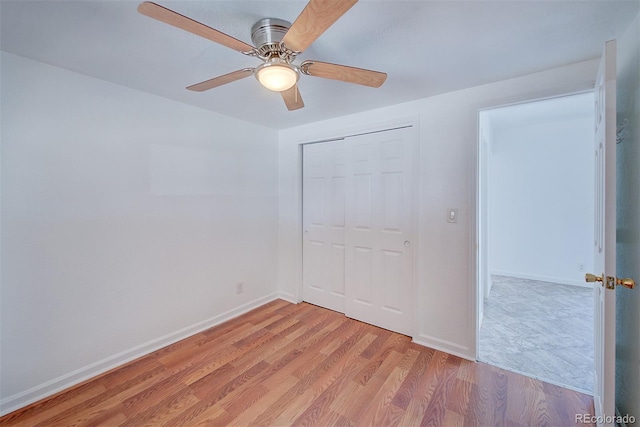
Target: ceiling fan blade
x,y
170,17
314,20
343,73
221,80
292,98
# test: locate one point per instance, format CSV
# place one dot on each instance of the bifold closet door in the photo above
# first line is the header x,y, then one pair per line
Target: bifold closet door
x,y
358,227
323,218
379,229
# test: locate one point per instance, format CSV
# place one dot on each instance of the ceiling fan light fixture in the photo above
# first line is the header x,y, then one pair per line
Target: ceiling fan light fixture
x,y
277,76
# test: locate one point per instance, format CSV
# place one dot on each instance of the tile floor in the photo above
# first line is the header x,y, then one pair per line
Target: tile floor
x,y
541,329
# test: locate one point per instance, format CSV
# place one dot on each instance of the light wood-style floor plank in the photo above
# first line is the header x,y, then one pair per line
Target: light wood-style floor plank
x,y
302,365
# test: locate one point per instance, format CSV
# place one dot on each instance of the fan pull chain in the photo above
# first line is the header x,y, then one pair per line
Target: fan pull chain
x,y
295,97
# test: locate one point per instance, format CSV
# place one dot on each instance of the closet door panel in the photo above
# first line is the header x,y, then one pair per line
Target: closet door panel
x,y
323,219
379,229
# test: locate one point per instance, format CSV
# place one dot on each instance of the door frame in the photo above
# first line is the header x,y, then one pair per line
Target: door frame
x,y
478,217
412,122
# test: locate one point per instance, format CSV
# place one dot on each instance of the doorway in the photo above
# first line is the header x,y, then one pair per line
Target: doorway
x,y
536,236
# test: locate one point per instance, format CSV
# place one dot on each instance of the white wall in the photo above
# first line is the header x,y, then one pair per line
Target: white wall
x,y
446,300
628,224
540,201
127,220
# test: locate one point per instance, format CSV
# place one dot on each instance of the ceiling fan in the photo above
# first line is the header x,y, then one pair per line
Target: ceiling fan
x,y
277,44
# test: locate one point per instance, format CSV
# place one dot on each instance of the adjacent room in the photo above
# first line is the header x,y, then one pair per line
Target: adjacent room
x,y
537,314
268,213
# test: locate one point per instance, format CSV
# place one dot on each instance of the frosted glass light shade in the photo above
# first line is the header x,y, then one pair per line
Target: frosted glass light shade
x,y
277,76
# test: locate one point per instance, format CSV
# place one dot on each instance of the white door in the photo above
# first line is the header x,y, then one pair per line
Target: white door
x,y
379,229
323,217
605,234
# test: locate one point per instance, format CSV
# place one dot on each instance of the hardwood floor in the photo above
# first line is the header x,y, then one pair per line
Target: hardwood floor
x,y
288,364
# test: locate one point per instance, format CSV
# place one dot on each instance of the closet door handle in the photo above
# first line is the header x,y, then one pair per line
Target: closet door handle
x,y
407,243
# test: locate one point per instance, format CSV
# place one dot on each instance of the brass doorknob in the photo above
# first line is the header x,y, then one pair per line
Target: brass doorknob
x,y
627,283
592,278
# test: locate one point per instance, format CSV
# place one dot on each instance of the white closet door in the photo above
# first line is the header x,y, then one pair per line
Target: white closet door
x,y
379,229
323,221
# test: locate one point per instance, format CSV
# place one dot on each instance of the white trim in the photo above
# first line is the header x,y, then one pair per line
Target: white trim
x,y
299,221
444,346
541,278
569,90
417,173
56,385
347,131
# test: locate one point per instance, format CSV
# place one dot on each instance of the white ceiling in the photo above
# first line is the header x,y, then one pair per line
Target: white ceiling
x,y
426,47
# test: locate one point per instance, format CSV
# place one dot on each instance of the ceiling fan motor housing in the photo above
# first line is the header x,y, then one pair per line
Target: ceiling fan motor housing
x,y
269,31
266,35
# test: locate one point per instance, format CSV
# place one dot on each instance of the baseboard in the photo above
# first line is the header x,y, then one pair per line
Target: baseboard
x,y
541,278
445,346
39,392
288,297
